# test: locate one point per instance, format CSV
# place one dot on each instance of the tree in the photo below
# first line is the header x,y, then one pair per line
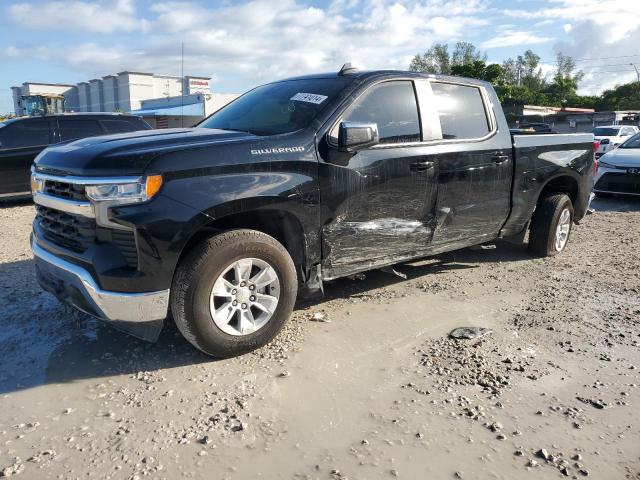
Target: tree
x,y
434,60
479,69
525,71
622,97
466,53
565,82
438,59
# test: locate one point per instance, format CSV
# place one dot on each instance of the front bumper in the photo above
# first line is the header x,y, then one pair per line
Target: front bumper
x,y
617,181
139,314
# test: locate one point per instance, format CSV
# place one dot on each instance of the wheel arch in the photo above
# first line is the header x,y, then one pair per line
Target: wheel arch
x,y
562,183
280,224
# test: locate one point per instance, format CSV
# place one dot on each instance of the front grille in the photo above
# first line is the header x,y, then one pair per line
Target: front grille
x,y
69,191
619,182
77,233
73,232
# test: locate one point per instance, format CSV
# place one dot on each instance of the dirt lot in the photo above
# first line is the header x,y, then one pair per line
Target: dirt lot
x,y
373,390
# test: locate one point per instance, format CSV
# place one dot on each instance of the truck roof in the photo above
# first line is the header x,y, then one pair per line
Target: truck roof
x,y
387,73
67,115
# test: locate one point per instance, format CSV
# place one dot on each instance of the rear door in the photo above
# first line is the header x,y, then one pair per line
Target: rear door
x,y
20,143
475,164
377,202
74,128
121,125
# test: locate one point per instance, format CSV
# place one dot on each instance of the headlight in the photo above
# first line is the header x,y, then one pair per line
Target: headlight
x,y
602,163
126,192
37,184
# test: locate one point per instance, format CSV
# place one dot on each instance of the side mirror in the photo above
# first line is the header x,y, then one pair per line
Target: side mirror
x,y
357,135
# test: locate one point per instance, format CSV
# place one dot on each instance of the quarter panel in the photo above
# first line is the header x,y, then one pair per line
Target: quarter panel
x,y
537,165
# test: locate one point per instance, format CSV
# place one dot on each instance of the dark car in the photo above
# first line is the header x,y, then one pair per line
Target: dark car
x,y
22,139
536,128
293,184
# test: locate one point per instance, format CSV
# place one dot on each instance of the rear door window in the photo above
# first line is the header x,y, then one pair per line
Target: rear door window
x,y
71,129
30,133
461,111
119,126
393,107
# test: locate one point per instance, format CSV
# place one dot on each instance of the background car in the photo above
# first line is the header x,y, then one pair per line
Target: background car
x,y
611,136
22,139
538,127
619,170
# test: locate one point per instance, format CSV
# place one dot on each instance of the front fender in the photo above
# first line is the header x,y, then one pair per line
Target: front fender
x,y
222,194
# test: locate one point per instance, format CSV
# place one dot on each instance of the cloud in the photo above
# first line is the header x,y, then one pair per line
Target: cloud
x,y
514,37
618,17
261,40
605,63
39,53
99,17
244,43
602,35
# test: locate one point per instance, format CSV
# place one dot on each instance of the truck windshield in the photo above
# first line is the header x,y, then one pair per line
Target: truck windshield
x,y
633,142
276,108
605,131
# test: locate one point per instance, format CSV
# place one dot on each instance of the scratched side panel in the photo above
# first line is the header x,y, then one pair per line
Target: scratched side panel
x,y
473,194
374,207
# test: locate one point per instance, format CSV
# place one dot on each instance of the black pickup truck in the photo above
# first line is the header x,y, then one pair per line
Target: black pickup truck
x,y
297,182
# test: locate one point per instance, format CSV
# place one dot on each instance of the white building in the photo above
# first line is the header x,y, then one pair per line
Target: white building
x,y
123,92
175,112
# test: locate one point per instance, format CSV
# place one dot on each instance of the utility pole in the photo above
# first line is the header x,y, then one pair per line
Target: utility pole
x,y
182,93
637,71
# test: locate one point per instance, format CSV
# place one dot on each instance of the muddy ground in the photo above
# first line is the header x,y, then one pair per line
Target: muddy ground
x,y
375,390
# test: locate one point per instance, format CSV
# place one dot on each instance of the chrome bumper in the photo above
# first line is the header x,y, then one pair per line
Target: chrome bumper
x,y
72,284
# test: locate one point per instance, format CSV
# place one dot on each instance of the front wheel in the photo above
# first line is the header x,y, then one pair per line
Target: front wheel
x,y
551,225
234,292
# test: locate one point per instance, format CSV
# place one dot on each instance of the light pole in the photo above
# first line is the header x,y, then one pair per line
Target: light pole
x,y
637,71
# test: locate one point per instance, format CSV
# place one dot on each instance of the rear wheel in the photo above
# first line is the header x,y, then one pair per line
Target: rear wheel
x,y
551,225
234,292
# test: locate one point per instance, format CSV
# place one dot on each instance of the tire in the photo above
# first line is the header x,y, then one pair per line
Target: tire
x,y
195,306
545,223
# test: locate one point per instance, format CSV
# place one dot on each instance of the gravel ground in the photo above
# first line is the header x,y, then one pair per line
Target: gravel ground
x,y
364,384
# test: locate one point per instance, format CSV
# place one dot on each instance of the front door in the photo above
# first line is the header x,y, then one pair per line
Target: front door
x,y
378,203
20,142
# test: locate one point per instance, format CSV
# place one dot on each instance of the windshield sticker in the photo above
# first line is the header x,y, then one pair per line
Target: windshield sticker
x,y
309,98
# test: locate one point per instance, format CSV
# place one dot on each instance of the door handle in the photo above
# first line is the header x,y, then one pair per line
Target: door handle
x,y
421,166
499,158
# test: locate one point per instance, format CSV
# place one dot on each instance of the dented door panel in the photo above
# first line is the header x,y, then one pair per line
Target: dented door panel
x,y
473,194
378,203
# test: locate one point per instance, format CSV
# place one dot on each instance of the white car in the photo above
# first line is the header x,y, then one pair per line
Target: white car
x,y
619,170
611,136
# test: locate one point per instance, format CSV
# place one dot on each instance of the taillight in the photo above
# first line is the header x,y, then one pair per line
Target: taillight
x,y
596,146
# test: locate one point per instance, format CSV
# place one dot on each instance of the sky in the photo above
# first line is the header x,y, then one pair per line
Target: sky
x,y
241,44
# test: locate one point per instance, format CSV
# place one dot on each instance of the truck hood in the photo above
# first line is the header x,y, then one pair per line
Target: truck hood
x,y
622,157
127,153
